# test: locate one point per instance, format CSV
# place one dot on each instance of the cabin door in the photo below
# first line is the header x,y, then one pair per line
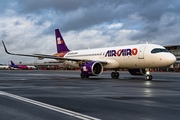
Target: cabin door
x,y
141,52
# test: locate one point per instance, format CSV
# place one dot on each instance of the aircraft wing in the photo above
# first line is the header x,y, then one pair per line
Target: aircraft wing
x,y
42,56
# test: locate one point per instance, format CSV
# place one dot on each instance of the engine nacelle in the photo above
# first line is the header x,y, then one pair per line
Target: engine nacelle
x,y
137,71
92,68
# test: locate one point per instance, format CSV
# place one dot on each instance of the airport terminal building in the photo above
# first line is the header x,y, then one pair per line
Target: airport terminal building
x,y
175,49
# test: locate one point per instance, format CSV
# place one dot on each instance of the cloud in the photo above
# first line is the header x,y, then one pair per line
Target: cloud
x,y
164,32
28,26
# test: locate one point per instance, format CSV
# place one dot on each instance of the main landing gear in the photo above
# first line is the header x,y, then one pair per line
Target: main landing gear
x,y
115,75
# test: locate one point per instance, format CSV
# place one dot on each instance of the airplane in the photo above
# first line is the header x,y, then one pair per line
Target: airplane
x,y
4,67
138,59
20,66
14,66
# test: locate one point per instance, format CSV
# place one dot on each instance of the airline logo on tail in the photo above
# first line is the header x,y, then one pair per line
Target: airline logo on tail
x,y
59,41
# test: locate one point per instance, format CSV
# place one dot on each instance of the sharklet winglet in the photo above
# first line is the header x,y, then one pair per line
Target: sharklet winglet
x,y
5,48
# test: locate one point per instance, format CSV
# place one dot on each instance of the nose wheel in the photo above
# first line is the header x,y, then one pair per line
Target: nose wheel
x,y
148,75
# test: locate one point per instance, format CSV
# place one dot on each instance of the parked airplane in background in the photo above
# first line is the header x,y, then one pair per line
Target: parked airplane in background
x,y
4,67
21,66
14,66
135,58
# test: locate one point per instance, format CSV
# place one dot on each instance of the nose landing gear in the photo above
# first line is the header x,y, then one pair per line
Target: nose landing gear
x,y
148,75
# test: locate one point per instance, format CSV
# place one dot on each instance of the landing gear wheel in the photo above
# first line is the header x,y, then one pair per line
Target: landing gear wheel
x,y
115,75
149,77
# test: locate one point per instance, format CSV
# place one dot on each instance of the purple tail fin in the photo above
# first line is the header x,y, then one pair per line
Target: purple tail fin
x,y
12,64
61,45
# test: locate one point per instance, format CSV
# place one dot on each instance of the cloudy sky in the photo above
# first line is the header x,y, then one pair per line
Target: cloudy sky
x,y
27,26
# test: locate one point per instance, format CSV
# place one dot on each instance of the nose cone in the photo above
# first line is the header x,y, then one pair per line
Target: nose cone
x,y
171,59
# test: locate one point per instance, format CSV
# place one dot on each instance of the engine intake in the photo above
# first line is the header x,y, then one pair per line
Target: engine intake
x,y
92,68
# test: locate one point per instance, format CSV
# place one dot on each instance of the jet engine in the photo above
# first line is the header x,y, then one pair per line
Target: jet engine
x,y
137,71
91,69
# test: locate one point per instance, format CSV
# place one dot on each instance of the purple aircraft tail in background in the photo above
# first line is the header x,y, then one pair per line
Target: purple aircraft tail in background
x,y
12,64
61,45
23,67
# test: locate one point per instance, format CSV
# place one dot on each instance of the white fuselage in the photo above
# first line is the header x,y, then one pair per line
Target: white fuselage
x,y
4,66
132,56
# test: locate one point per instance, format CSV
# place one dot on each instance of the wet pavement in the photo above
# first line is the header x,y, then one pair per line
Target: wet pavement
x,y
63,95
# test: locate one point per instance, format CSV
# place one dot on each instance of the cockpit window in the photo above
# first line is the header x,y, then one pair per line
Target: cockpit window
x,y
157,50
